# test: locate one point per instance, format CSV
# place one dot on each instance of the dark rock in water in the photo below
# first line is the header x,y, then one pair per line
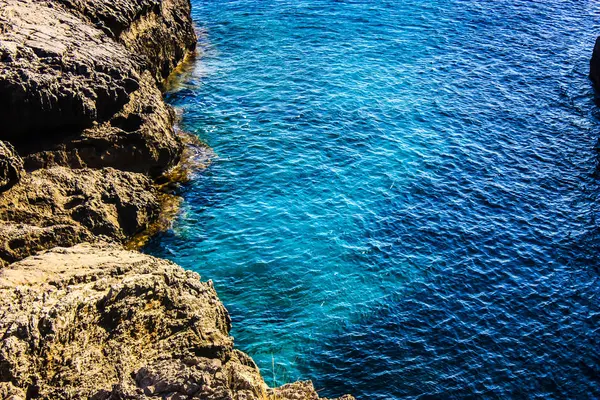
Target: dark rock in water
x,y
103,323
595,64
11,166
58,74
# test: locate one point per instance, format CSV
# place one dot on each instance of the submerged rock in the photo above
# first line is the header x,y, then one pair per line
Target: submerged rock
x,y
96,321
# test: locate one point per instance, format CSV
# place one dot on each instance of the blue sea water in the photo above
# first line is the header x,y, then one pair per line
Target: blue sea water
x,y
405,201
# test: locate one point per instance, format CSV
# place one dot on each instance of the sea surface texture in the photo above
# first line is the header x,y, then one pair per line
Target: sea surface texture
x,y
405,201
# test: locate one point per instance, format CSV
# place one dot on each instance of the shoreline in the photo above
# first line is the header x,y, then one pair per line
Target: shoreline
x,y
90,160
195,157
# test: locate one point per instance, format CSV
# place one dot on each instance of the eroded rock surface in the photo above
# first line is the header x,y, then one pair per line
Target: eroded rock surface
x,y
138,138
79,88
85,145
58,73
73,95
11,166
61,206
96,321
161,30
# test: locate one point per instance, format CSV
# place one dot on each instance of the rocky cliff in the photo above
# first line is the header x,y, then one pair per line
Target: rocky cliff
x,y
79,91
85,141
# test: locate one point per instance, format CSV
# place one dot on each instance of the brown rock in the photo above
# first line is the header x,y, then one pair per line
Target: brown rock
x,y
73,95
57,74
160,30
18,240
79,89
96,321
595,64
9,392
139,138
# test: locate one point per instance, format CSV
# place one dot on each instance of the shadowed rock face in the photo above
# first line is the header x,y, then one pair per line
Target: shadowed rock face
x,y
58,73
11,166
82,97
79,88
138,138
65,68
62,207
95,321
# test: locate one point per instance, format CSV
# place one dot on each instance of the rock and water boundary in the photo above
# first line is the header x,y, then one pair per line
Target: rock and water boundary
x,y
89,157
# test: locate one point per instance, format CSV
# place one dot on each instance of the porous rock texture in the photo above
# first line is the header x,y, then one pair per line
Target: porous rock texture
x,y
11,166
99,322
83,120
63,207
71,94
160,30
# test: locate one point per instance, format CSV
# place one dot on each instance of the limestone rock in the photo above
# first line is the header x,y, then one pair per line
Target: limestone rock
x,y
73,95
58,74
9,392
19,240
303,390
79,88
96,321
61,206
160,30
139,138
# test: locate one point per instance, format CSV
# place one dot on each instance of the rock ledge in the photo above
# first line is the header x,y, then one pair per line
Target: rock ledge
x,y
100,322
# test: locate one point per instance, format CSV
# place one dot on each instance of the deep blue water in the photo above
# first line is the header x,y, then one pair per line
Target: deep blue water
x,y
406,198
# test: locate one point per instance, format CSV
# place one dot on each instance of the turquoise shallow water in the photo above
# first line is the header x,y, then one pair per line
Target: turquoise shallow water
x,y
405,200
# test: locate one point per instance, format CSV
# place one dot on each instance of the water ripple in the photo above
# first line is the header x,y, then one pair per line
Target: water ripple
x,y
406,194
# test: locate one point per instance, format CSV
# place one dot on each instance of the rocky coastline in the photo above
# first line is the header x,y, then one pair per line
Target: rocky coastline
x,y
88,153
